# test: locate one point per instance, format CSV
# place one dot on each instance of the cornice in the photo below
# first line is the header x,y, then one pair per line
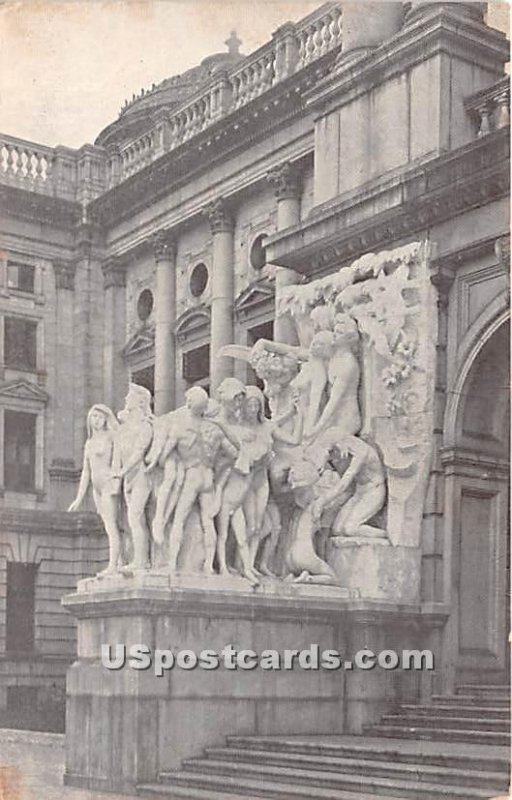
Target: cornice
x,y
421,196
22,204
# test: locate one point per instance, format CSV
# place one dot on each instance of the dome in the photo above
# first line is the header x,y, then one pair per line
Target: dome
x,y
135,113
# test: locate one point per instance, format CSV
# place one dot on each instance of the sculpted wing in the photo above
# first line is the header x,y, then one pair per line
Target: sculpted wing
x,y
236,351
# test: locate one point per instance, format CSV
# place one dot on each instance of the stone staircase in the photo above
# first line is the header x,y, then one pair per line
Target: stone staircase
x,y
458,746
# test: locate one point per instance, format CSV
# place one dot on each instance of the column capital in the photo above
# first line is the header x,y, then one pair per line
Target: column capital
x,y
285,180
164,246
114,273
64,272
218,216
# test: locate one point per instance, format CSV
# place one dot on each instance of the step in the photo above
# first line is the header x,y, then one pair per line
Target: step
x,y
440,734
187,793
456,754
430,720
470,699
363,766
489,690
281,782
455,710
162,792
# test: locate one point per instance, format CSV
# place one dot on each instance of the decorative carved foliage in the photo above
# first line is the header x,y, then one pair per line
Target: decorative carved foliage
x,y
285,181
114,274
218,216
164,246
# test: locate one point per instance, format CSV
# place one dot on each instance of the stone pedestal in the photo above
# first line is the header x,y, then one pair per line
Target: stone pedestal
x,y
125,726
377,570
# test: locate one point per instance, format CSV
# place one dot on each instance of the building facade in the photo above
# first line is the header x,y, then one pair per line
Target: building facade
x,y
139,257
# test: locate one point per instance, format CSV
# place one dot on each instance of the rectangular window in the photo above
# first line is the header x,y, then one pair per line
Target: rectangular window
x,y
19,451
20,607
20,343
20,276
145,377
196,366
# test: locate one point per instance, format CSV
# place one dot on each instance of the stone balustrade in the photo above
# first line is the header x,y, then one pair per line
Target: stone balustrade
x,y
490,108
318,34
56,171
292,48
61,171
26,164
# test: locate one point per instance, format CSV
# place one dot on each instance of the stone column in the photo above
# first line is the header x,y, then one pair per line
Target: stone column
x,y
367,25
286,183
164,246
114,372
62,467
222,333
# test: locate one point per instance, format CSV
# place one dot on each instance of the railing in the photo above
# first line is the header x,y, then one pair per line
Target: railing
x,y
490,108
26,164
83,174
56,171
293,47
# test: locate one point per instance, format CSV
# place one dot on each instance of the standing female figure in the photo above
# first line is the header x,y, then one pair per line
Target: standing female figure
x,y
100,465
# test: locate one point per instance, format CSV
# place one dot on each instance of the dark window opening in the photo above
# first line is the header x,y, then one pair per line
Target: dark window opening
x,y
145,377
19,451
196,366
20,607
20,343
20,276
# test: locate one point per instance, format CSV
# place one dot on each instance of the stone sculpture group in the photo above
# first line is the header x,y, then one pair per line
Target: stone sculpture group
x,y
267,482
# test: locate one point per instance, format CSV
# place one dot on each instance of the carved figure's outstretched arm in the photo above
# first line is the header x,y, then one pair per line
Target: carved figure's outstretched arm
x,y
85,479
283,349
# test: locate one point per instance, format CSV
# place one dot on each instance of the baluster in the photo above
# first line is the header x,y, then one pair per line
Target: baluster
x,y
327,42
38,168
310,45
485,120
256,79
338,26
502,111
302,48
318,39
10,161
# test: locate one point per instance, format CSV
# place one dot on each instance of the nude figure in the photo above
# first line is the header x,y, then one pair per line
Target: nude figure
x,y
343,374
100,466
134,439
173,472
198,444
262,515
365,478
233,477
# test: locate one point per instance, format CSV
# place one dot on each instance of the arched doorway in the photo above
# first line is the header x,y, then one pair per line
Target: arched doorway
x,y
477,484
